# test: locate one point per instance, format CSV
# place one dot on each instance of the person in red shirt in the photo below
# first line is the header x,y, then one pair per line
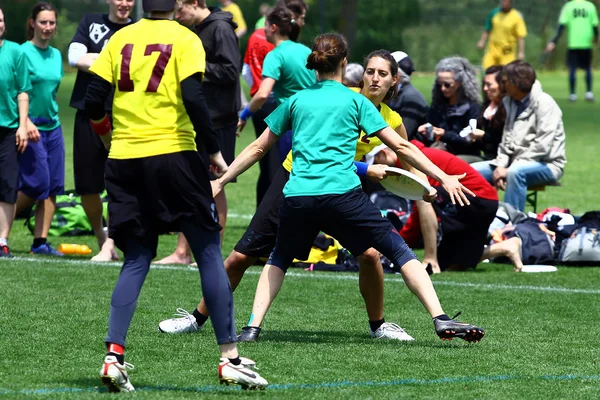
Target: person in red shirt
x,y
463,230
257,50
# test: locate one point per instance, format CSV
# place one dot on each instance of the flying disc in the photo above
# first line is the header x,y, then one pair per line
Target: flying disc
x,y
405,184
539,268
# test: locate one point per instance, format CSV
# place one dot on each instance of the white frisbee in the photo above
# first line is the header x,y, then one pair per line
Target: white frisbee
x,y
405,184
539,268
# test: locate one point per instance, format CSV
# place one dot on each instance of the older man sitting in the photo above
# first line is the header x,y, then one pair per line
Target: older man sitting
x,y
532,151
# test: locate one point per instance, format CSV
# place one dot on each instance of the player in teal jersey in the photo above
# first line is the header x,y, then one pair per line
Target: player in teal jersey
x,y
581,20
42,165
14,105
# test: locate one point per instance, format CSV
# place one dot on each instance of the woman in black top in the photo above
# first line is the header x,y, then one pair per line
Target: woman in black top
x,y
491,122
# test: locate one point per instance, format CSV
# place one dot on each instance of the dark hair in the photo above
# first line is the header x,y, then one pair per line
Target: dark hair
x,y
386,55
38,8
328,51
293,5
284,18
521,74
201,3
500,117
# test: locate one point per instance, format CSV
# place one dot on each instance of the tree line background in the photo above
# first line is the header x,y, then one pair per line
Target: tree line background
x,y
427,30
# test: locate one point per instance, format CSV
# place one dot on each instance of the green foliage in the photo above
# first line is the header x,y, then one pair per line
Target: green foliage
x,y
66,31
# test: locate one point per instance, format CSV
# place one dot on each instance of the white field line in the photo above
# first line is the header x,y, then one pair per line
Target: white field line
x,y
36,262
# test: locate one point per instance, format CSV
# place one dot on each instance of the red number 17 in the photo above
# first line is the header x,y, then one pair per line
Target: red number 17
x,y
125,82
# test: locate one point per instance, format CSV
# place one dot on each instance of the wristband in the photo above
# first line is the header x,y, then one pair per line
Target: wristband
x,y
245,114
101,127
361,168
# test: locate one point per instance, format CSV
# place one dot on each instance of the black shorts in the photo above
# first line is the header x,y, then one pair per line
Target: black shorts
x,y
351,218
152,195
89,156
9,166
579,58
464,229
260,236
226,135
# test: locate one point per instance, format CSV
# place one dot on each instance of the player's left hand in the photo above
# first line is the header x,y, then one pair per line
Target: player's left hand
x,y
456,191
21,139
33,133
240,126
430,197
218,166
550,47
433,263
521,55
106,140
377,172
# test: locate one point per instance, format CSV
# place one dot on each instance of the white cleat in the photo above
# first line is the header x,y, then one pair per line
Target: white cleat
x,y
242,375
572,98
390,330
184,323
589,96
114,375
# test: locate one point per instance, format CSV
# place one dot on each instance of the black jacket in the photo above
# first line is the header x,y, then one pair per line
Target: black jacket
x,y
221,83
453,119
494,129
412,107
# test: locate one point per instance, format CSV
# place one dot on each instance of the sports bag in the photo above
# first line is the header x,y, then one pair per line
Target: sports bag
x,y
582,248
69,218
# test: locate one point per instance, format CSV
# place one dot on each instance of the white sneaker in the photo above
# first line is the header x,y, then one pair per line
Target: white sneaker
x,y
572,97
391,331
185,323
241,375
589,96
114,375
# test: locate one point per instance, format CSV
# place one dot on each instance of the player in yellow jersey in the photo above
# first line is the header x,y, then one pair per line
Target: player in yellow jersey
x,y
157,179
379,84
504,31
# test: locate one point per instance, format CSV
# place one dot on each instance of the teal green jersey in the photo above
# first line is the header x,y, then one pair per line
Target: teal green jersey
x,y
579,17
45,72
326,119
14,79
286,63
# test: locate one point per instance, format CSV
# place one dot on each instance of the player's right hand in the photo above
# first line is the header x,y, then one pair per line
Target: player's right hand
x,y
21,139
216,187
218,166
430,197
481,44
377,172
550,47
33,133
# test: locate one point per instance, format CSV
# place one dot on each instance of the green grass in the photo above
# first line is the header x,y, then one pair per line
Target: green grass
x,y
541,328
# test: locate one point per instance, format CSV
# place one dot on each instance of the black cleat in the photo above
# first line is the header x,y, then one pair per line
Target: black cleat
x,y
450,329
249,334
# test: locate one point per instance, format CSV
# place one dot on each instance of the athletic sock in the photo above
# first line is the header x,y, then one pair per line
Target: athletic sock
x,y
3,242
200,319
235,361
376,324
37,242
443,317
120,357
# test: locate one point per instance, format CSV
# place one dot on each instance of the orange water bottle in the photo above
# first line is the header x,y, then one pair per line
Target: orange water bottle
x,y
74,249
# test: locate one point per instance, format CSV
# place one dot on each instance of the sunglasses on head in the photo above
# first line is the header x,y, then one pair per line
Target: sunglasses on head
x,y
447,85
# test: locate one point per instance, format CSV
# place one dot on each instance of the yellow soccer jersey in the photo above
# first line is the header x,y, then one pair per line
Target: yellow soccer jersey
x,y
365,144
238,17
505,28
146,63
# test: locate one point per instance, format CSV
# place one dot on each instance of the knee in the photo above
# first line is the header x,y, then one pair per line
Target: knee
x,y
514,175
238,262
369,259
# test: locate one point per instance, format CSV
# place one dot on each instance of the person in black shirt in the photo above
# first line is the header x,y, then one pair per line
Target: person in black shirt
x,y
89,154
221,85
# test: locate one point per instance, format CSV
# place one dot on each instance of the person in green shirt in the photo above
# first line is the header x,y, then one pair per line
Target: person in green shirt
x,y
581,20
14,105
42,165
324,193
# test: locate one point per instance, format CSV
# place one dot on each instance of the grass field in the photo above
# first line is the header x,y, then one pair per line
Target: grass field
x,y
541,328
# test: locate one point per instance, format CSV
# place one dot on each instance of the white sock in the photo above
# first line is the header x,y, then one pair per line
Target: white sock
x,y
3,242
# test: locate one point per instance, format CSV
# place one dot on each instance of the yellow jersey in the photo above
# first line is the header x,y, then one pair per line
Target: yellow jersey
x,y
238,17
146,63
364,144
504,29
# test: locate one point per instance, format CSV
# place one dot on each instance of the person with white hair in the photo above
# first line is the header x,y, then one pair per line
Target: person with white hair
x,y
353,75
409,102
455,100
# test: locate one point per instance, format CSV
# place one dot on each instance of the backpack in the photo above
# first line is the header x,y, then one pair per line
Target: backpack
x,y
395,208
582,248
69,218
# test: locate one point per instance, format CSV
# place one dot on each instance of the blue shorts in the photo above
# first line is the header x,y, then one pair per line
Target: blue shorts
x,y
42,166
351,218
